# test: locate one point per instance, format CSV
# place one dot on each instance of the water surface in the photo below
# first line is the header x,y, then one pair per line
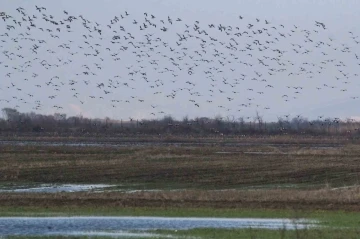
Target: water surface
x,y
53,188
26,226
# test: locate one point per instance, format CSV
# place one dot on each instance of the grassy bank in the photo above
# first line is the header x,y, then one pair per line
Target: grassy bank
x,y
346,199
237,234
267,234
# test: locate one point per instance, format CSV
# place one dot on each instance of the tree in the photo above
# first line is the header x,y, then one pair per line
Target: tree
x,y
11,114
259,119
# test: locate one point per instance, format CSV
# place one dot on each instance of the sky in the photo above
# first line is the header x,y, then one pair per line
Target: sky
x,y
285,63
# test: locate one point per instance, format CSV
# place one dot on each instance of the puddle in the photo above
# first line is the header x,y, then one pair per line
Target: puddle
x,y
54,188
97,225
263,153
345,187
129,189
229,152
249,152
145,190
95,188
114,234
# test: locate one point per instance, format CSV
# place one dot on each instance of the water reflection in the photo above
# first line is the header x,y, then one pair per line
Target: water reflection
x,y
54,188
83,225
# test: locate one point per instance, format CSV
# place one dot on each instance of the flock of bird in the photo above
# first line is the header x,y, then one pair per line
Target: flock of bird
x,y
154,64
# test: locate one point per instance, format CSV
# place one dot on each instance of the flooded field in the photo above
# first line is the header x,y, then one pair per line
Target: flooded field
x,y
127,188
156,143
134,225
192,175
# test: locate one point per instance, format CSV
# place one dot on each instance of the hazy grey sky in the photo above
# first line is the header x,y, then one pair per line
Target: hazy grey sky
x,y
317,66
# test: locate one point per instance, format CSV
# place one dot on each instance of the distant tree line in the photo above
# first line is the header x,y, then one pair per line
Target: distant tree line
x,y
14,121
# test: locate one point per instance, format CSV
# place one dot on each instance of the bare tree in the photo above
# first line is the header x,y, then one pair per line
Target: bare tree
x,y
259,120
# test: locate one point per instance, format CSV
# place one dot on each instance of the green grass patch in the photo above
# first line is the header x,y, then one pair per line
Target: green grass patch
x,y
265,234
78,237
230,234
144,211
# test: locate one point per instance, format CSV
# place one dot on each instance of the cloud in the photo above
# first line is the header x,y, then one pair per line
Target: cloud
x,y
78,110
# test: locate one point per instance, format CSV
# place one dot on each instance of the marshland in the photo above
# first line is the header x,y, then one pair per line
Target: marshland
x,y
268,177
179,119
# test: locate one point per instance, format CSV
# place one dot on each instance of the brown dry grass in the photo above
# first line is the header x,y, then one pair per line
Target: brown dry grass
x,y
322,199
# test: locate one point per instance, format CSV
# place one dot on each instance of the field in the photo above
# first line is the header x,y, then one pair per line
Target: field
x,y
281,177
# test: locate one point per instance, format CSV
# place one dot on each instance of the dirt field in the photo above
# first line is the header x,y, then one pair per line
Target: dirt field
x,y
280,175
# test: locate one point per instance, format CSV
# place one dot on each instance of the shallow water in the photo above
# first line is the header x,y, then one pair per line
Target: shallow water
x,y
97,225
54,188
115,234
